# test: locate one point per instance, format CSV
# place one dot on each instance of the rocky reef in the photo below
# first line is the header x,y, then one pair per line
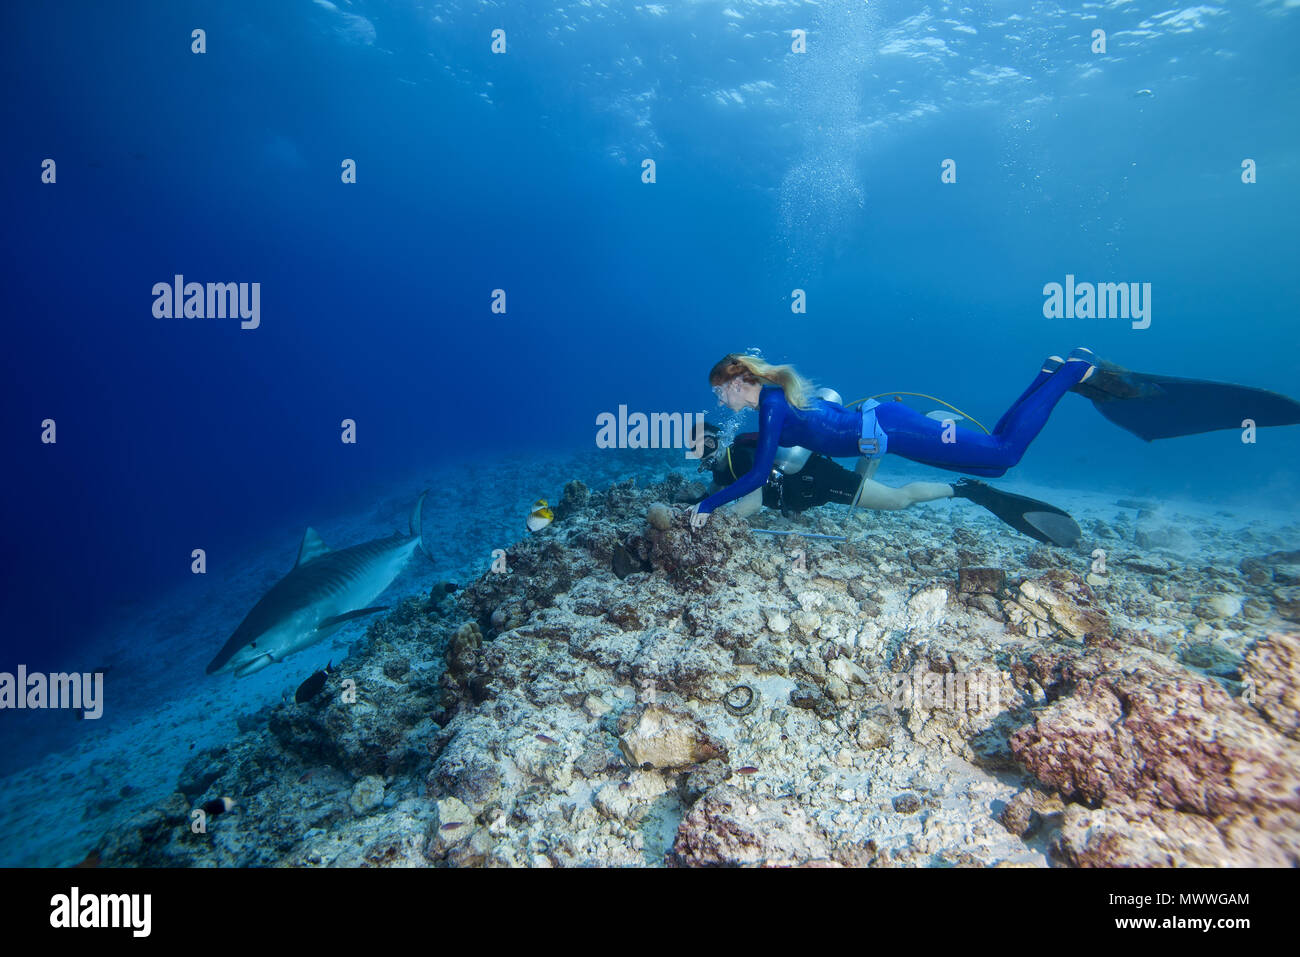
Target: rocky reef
x,y
624,690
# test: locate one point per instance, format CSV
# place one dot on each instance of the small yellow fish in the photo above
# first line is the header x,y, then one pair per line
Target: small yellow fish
x,y
541,516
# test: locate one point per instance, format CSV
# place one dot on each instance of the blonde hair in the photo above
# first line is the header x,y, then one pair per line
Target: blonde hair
x,y
797,389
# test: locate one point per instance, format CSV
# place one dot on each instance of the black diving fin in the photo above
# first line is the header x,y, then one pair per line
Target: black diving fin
x,y
1040,521
1162,407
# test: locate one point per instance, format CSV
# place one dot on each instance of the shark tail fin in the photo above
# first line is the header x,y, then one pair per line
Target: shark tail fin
x,y
417,515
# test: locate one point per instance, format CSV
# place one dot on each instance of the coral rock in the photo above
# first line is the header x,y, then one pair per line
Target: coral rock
x,y
1171,538
1064,601
730,827
666,738
1107,837
659,516
873,733
1273,668
1287,602
575,498
980,581
367,794
1167,740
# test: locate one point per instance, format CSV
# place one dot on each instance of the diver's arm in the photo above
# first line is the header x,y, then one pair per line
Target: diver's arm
x,y
697,499
771,418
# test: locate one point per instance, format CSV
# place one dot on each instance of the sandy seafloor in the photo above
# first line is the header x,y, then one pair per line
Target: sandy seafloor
x,y
1095,755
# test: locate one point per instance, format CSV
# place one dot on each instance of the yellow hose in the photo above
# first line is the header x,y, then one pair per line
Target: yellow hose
x,y
922,395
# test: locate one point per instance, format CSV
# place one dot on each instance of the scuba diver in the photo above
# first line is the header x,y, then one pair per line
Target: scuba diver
x,y
801,480
1149,406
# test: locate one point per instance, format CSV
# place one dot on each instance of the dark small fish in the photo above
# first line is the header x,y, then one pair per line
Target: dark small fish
x,y
313,685
747,769
452,825
441,590
543,738
305,778
218,806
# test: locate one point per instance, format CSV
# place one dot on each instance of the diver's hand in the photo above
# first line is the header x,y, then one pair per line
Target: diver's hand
x,y
697,520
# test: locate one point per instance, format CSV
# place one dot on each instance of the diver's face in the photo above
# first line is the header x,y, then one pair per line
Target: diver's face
x,y
730,394
704,445
708,452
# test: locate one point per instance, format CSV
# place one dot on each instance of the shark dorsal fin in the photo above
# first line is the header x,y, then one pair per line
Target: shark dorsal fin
x,y
312,545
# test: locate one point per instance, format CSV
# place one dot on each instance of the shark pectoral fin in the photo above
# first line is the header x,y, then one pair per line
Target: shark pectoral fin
x,y
312,545
348,616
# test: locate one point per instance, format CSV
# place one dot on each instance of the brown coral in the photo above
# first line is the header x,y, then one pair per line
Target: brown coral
x,y
1142,735
730,827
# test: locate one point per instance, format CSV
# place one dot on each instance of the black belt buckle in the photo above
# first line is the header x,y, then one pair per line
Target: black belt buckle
x,y
868,447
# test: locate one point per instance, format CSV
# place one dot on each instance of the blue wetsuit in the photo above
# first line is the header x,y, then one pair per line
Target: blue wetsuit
x,y
835,431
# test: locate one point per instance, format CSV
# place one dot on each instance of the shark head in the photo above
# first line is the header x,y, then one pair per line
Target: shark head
x,y
225,659
249,649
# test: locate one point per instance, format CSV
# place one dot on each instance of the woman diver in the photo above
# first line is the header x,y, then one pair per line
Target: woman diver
x,y
804,481
1150,406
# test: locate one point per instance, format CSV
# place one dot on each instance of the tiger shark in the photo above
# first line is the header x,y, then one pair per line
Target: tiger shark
x,y
324,590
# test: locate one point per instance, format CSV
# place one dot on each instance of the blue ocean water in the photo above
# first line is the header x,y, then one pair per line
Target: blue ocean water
x,y
522,171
